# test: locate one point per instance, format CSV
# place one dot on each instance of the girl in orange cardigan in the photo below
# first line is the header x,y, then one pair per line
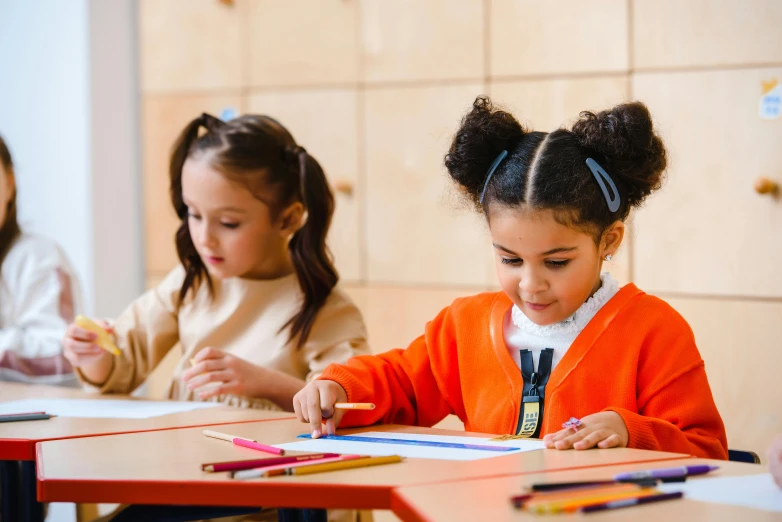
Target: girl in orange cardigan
x,y
562,352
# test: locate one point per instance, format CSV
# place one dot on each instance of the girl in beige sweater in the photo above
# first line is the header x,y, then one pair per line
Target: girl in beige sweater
x,y
253,310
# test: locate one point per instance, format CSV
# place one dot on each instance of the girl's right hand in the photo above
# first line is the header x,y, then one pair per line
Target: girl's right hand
x,y
315,402
79,346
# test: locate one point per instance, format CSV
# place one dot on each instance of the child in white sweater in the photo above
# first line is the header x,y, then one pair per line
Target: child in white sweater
x,y
38,296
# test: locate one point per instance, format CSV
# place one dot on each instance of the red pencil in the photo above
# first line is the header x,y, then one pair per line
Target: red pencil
x,y
274,471
238,465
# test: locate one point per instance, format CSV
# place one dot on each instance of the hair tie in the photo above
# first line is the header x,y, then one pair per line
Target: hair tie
x,y
209,122
501,156
602,177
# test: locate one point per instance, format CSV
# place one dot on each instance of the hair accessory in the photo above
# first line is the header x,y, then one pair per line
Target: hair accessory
x,y
501,156
572,423
602,177
608,257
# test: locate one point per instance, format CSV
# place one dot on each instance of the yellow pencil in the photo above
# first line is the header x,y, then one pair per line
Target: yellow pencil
x,y
104,339
354,406
343,464
576,503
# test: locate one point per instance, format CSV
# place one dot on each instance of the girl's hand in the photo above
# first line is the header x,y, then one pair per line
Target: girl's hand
x,y
316,402
604,430
80,349
234,375
775,460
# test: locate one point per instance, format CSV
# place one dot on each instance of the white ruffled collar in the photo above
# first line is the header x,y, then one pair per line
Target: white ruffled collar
x,y
576,322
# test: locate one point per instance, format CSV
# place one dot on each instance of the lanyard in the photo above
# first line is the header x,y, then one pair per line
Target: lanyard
x,y
534,392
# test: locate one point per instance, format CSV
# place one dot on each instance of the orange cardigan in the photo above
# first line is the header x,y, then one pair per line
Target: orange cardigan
x,y
636,357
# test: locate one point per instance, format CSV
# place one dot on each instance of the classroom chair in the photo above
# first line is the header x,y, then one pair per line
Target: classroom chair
x,y
750,457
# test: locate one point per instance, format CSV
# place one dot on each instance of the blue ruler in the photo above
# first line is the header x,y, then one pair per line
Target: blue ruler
x,y
409,442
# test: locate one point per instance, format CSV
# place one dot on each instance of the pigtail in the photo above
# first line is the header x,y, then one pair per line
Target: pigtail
x,y
309,253
195,271
624,139
483,134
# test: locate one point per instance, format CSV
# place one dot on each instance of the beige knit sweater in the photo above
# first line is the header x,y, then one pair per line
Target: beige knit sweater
x,y
244,318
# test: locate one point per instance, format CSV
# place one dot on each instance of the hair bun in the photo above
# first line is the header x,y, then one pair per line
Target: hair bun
x,y
625,139
484,132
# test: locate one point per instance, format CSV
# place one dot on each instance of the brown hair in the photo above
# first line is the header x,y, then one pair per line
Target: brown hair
x,y
549,170
9,228
260,152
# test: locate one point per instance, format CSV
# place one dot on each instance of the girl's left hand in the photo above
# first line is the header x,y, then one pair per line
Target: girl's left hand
x,y
604,430
235,375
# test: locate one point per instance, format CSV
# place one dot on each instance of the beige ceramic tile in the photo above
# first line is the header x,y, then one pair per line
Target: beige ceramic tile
x,y
163,118
418,228
546,105
708,231
189,45
672,33
303,42
324,122
396,316
530,37
740,341
414,40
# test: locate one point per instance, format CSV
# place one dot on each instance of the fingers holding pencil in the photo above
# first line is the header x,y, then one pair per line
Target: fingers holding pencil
x,y
317,401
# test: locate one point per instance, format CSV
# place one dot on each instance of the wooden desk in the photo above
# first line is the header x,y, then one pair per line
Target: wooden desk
x,y
489,499
164,468
18,439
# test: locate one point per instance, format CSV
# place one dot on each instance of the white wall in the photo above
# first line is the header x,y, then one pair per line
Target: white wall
x,y
68,111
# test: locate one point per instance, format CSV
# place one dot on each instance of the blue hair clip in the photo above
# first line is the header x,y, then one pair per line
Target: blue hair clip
x,y
602,177
501,156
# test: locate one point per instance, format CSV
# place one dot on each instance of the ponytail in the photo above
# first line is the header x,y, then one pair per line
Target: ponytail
x,y
309,253
185,145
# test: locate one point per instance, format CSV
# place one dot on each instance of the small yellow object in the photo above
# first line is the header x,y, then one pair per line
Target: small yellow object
x,y
104,339
193,362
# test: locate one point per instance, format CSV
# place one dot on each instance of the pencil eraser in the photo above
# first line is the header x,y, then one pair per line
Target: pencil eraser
x,y
104,339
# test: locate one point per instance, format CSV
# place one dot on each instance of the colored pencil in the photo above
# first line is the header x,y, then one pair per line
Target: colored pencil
x,y
616,504
17,417
558,486
239,465
283,469
354,406
244,442
346,464
574,504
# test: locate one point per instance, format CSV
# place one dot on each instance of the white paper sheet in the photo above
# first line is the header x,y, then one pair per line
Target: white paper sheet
x,y
419,452
103,408
753,491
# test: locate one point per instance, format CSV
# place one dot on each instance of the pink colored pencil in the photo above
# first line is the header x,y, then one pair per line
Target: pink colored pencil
x,y
257,446
246,443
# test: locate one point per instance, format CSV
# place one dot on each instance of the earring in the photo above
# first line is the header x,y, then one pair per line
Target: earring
x,y
608,257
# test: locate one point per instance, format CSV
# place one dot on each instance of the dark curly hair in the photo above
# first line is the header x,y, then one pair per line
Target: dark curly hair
x,y
259,152
549,171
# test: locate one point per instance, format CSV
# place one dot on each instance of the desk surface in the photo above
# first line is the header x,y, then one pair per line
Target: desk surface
x,y
18,439
489,499
165,467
